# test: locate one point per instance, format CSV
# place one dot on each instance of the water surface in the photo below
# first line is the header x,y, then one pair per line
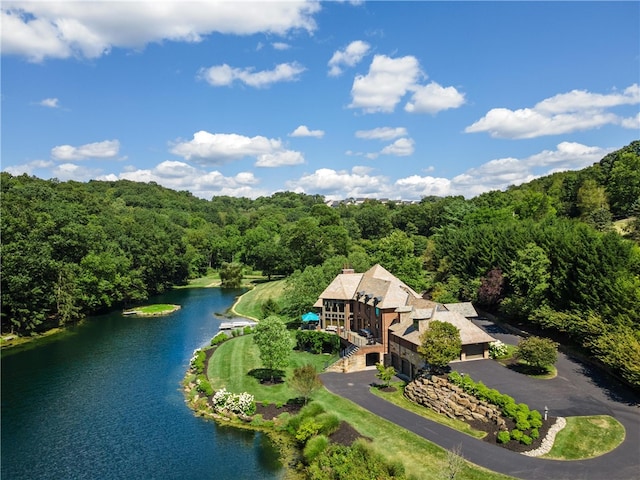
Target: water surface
x,y
104,402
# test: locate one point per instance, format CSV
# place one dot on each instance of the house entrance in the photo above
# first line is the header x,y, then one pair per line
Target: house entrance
x,y
406,368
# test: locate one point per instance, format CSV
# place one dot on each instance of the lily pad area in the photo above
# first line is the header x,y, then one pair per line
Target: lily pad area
x,y
152,310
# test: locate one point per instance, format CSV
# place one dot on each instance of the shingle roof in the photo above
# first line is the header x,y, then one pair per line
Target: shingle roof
x,y
463,308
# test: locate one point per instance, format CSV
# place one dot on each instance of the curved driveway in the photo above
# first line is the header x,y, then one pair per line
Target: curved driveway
x,y
577,390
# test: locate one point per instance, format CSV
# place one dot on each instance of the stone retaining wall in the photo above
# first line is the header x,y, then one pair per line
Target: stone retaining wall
x,y
448,399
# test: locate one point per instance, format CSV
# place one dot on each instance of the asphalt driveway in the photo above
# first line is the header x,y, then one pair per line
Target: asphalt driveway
x,y
577,390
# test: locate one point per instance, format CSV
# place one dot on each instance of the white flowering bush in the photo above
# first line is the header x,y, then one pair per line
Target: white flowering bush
x,y
497,349
243,403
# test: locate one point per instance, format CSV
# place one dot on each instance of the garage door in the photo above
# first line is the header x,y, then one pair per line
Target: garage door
x,y
474,351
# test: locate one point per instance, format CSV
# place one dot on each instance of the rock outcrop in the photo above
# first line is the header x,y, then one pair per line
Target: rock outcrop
x,y
450,400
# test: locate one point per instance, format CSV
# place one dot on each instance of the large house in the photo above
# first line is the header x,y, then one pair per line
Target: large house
x,y
379,318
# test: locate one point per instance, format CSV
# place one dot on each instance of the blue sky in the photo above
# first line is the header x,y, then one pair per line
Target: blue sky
x,y
391,100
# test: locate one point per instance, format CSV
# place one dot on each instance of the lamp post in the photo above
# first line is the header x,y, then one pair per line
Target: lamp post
x,y
546,412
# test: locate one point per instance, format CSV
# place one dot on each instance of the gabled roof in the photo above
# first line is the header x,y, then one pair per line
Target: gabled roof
x,y
463,308
469,332
343,287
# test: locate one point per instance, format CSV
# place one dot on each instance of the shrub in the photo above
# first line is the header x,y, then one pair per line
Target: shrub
x,y
314,447
526,440
218,339
329,423
516,435
510,409
497,349
522,422
247,330
203,385
534,433
503,436
535,419
197,361
243,403
307,429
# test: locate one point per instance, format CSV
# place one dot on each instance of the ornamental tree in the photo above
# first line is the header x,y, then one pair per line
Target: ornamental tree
x,y
305,381
440,344
385,374
274,343
538,352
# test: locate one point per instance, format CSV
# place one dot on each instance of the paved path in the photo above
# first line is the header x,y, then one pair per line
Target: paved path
x,y
577,390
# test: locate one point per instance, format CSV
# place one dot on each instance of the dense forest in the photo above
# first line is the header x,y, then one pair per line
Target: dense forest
x,y
551,253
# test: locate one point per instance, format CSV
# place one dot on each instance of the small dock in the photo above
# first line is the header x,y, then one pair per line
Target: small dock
x,y
237,324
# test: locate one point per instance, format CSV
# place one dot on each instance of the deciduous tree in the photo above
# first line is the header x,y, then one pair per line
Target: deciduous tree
x,y
274,343
440,344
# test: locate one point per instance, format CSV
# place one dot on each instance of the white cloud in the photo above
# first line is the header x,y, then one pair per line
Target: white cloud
x,y
631,122
71,171
388,80
202,183
563,113
382,133
49,103
280,46
433,98
303,131
402,147
105,149
348,57
340,184
280,159
218,148
224,75
28,168
53,29
415,187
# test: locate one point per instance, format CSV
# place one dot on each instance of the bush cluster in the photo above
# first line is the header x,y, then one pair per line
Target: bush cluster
x,y
526,420
240,404
218,339
197,361
317,342
498,349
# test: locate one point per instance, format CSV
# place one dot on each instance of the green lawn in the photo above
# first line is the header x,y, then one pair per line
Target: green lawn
x,y
157,308
249,305
398,398
229,367
587,437
231,363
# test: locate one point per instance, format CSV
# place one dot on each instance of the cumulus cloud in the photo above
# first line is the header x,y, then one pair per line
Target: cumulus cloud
x,y
28,168
382,133
496,174
433,98
563,113
349,57
224,75
303,131
60,29
219,148
49,103
390,79
202,183
402,147
71,171
105,149
336,184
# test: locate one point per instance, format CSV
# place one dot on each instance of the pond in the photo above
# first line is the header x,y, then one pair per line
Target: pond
x,y
104,400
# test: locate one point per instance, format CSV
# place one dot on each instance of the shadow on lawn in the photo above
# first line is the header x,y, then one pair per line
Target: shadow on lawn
x,y
267,376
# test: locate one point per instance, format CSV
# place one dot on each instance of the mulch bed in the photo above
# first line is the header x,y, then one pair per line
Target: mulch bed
x,y
344,435
514,446
271,411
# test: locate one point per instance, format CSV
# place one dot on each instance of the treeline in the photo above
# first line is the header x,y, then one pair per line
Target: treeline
x,y
545,252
